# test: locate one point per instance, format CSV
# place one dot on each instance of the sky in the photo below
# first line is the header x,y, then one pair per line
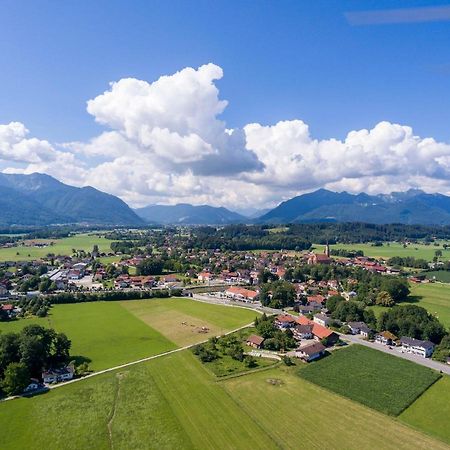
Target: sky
x,y
240,104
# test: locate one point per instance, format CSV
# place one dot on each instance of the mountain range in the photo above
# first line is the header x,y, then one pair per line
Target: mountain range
x,y
411,207
185,214
40,200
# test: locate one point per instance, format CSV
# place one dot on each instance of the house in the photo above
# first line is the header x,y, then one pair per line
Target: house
x,y
302,332
316,301
307,309
359,328
55,375
319,332
255,341
284,321
322,319
242,294
386,338
204,277
310,352
416,346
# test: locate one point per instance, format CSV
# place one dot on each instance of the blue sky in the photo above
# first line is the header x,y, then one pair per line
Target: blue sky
x,y
282,60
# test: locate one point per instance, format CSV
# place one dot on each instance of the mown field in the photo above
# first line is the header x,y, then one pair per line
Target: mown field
x,y
382,382
113,333
431,412
61,247
420,251
104,332
434,297
181,320
439,275
173,402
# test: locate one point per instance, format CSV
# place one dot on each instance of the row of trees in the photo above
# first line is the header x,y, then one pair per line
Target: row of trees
x,y
27,353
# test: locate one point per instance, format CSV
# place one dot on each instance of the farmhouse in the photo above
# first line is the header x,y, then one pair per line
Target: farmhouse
x,y
255,341
319,332
242,294
310,352
55,375
386,338
417,347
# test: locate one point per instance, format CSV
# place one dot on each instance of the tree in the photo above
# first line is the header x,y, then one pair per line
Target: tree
x,y
333,301
384,299
9,350
397,288
277,294
61,348
16,378
413,321
442,351
250,361
150,266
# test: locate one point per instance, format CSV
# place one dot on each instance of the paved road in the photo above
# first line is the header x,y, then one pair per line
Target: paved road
x,y
427,362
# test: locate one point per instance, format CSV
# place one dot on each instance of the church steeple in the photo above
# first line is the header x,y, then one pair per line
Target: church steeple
x,y
327,250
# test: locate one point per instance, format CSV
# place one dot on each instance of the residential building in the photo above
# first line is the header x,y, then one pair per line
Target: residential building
x,y
322,319
417,347
386,338
310,351
255,341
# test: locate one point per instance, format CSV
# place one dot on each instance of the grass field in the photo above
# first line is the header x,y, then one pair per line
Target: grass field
x,y
173,402
419,251
113,333
181,320
431,412
434,297
439,275
104,332
375,379
298,414
61,247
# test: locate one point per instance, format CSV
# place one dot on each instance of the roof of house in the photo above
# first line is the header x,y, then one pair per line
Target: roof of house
x,y
316,298
303,328
388,335
285,318
321,317
254,339
416,342
312,349
321,332
236,290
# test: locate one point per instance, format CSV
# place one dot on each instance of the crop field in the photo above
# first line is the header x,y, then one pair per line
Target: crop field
x,y
60,247
388,250
104,332
431,411
375,379
185,321
439,275
305,416
170,402
173,402
434,297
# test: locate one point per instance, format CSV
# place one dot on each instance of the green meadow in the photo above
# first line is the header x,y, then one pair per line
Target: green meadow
x,y
174,402
434,297
114,333
383,382
388,250
60,247
431,412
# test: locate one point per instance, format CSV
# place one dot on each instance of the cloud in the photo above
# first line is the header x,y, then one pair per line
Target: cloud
x,y
401,15
164,142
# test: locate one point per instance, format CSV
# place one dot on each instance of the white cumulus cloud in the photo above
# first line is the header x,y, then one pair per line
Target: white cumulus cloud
x,y
164,141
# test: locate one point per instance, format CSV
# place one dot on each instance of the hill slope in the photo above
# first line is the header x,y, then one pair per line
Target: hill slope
x,y
39,199
189,215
